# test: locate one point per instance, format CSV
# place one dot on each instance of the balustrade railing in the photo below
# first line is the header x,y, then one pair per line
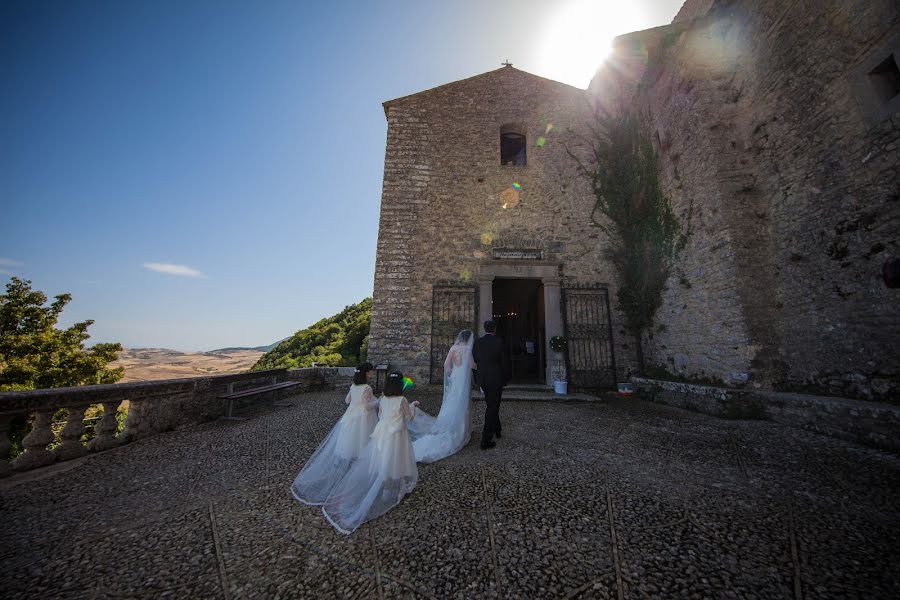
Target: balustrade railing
x,y
153,407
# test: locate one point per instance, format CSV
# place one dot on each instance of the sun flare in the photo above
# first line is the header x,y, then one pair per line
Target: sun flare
x,y
580,36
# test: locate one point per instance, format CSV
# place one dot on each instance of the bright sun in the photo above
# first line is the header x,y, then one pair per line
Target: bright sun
x,y
578,38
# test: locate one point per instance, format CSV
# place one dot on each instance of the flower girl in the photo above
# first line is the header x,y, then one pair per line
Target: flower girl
x,y
343,444
385,472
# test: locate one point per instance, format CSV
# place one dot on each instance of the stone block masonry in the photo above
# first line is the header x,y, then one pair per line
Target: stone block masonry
x,y
765,126
869,423
441,209
776,139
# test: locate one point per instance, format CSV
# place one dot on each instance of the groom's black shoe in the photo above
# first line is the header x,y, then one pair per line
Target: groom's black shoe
x,y
488,445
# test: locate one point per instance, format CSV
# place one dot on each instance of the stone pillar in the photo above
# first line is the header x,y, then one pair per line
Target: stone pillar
x,y
70,445
5,445
105,430
133,422
485,301
36,453
553,320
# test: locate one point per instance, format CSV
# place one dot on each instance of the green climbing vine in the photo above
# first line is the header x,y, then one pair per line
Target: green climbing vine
x,y
645,236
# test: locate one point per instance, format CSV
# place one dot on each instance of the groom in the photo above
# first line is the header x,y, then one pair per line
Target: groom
x,y
491,376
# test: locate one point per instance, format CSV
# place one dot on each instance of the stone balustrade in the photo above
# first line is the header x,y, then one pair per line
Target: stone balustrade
x,y
153,407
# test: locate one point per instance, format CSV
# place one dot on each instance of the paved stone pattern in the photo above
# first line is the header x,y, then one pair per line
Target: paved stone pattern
x,y
617,499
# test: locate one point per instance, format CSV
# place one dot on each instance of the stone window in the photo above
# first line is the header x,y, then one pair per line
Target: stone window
x,y
512,145
885,78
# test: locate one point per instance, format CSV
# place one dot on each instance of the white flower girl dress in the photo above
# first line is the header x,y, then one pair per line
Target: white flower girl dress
x,y
343,444
384,473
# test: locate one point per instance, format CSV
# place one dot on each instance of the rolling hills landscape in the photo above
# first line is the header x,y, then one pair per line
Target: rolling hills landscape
x,y
338,340
152,364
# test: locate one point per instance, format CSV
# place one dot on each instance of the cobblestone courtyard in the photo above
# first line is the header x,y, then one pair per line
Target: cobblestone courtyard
x,y
618,499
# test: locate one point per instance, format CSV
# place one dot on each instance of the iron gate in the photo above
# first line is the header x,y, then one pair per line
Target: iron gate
x,y
587,326
453,308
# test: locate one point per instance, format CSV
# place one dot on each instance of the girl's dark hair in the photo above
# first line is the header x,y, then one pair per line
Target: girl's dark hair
x,y
359,375
394,384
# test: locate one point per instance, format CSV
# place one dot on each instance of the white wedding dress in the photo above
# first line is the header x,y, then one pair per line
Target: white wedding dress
x,y
344,444
383,474
435,438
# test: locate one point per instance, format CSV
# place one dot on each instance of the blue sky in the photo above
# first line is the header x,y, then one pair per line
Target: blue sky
x,y
243,140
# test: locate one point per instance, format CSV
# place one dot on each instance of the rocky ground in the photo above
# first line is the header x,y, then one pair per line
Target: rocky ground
x,y
618,499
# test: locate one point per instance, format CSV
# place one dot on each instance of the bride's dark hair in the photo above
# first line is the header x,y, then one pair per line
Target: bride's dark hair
x,y
394,384
464,336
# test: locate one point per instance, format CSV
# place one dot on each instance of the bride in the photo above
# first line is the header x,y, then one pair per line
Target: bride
x,y
435,438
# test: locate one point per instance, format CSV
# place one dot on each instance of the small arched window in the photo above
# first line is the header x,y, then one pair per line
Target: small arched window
x,y
512,145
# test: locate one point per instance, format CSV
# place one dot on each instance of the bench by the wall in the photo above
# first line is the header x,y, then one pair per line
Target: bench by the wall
x,y
230,396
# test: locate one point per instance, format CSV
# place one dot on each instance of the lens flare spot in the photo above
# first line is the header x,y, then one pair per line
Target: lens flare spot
x,y
517,185
549,128
540,142
509,198
465,275
408,384
487,238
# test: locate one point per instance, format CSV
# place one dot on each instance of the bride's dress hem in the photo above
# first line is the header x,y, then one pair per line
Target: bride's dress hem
x,y
301,500
328,518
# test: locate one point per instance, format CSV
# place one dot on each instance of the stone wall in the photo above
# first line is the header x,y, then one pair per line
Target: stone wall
x,y
314,378
767,129
693,9
869,423
441,206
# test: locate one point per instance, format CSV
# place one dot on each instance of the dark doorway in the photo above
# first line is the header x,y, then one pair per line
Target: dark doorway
x,y
518,309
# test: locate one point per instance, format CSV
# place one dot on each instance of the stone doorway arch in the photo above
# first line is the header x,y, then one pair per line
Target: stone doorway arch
x,y
546,272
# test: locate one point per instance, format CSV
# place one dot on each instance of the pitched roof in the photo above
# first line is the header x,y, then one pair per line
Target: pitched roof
x,y
518,72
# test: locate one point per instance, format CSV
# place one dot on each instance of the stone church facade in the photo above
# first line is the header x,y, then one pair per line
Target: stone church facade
x,y
464,237
777,126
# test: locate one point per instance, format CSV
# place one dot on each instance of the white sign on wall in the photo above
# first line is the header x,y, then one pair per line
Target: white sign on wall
x,y
518,254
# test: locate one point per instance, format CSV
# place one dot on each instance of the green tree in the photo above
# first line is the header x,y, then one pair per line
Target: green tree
x,y
35,354
645,236
339,340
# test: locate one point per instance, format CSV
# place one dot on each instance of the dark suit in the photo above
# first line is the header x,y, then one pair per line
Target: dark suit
x,y
490,357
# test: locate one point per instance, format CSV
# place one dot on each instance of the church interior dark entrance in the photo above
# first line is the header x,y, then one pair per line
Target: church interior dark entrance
x,y
518,309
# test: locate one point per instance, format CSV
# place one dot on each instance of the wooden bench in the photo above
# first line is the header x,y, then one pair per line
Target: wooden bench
x,y
231,396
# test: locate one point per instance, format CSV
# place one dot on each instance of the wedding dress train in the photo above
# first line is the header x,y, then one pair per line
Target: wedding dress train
x,y
435,438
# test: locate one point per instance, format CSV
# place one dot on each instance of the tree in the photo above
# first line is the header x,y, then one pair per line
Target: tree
x,y
630,207
339,340
35,354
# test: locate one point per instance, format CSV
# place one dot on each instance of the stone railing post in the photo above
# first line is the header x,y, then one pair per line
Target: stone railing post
x,y
133,422
70,445
105,430
35,443
5,445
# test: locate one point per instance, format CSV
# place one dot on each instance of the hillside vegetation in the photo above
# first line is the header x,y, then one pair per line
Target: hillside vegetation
x,y
340,340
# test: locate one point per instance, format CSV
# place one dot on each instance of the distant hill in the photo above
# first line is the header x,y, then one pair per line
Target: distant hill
x,y
151,364
243,348
340,340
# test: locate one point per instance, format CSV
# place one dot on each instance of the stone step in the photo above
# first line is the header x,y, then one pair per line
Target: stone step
x,y
545,394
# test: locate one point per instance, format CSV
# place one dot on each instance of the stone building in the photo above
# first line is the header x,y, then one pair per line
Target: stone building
x,y
483,216
777,125
780,123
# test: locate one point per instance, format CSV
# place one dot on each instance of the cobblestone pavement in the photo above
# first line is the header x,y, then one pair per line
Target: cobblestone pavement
x,y
618,499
